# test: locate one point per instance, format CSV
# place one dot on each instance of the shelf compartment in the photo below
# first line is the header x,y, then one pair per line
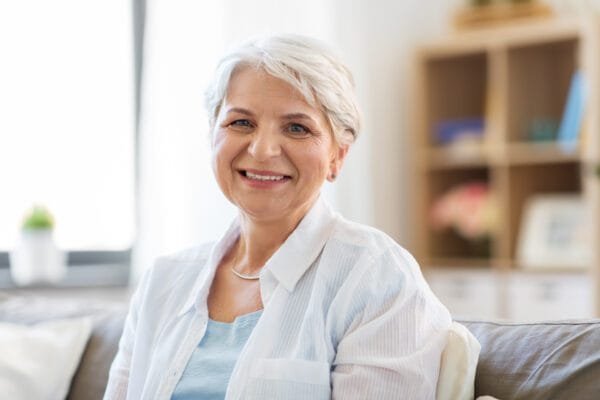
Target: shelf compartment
x,y
448,244
526,181
539,77
472,263
455,89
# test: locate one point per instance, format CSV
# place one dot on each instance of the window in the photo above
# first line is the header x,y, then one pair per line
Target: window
x,y
67,130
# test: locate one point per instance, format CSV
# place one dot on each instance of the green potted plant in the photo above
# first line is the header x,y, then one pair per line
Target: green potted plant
x,y
36,259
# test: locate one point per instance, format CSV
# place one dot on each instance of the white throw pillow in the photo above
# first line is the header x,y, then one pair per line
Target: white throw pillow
x,y
458,365
39,361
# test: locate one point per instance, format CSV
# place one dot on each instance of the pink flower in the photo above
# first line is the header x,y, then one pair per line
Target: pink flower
x,y
468,208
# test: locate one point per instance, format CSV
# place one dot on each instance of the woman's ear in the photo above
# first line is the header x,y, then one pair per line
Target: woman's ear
x,y
337,160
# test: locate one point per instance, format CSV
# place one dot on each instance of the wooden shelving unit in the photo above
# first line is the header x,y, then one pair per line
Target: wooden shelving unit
x,y
509,76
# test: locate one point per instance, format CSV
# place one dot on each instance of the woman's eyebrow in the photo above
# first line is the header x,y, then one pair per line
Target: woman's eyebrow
x,y
240,111
298,116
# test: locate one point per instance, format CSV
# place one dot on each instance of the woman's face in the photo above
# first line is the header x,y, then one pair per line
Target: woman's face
x,y
272,151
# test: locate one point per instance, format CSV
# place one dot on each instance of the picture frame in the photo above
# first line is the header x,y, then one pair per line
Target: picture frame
x,y
554,233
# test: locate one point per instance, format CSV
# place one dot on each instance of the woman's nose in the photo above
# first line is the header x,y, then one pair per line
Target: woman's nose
x,y
265,144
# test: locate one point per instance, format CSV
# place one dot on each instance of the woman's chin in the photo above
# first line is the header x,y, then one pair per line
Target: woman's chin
x,y
264,210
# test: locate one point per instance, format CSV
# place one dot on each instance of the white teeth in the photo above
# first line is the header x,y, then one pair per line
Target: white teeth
x,y
264,177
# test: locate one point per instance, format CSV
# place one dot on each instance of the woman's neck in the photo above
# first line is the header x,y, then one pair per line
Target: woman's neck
x,y
259,240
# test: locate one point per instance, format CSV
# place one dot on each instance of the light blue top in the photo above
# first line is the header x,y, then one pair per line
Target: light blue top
x,y
207,372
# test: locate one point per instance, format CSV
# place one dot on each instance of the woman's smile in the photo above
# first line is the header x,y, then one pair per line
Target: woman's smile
x,y
263,179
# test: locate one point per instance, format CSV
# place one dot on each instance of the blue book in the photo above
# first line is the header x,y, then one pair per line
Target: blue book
x,y
448,131
570,125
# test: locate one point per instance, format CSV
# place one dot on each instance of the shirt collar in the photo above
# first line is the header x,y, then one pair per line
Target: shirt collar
x,y
302,247
287,265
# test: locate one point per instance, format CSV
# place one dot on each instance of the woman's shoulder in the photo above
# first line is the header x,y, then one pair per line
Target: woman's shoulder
x,y
374,254
370,241
376,271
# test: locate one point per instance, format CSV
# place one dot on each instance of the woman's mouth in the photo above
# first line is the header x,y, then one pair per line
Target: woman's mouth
x,y
264,176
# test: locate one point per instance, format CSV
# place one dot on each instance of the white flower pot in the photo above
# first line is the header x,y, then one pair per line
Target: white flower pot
x,y
36,259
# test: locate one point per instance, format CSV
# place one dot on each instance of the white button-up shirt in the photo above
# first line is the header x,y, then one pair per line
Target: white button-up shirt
x,y
347,315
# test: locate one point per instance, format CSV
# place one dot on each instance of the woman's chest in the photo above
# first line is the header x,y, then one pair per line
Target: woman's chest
x,y
231,297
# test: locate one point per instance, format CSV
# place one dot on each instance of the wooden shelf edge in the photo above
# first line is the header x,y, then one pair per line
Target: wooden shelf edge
x,y
516,34
457,262
553,270
498,265
449,157
500,14
514,154
522,153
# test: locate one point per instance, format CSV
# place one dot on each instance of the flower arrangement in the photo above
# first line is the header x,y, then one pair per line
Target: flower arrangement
x,y
470,209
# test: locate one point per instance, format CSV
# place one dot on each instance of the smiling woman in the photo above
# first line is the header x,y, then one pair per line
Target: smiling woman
x,y
294,301
272,150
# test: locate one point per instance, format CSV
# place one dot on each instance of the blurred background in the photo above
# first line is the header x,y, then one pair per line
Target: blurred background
x,y
478,153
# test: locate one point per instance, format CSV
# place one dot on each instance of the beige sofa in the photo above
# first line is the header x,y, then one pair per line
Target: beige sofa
x,y
550,360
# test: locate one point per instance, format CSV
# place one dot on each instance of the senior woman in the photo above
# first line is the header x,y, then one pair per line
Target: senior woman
x,y
294,301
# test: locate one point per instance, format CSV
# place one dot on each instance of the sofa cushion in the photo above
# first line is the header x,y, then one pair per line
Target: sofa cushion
x,y
91,376
38,361
547,360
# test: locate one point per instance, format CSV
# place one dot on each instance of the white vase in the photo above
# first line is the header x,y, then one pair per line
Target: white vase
x,y
36,259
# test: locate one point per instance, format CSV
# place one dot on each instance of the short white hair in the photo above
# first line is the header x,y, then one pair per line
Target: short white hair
x,y
305,63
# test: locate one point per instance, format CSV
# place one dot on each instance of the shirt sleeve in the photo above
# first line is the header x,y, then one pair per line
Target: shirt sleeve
x,y
392,347
118,378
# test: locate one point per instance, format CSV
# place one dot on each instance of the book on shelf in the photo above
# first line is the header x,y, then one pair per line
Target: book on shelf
x,y
570,125
452,130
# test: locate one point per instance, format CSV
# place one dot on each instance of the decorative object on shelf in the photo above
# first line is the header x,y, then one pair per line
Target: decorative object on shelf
x,y
570,125
36,258
463,137
485,13
470,209
554,233
451,131
543,130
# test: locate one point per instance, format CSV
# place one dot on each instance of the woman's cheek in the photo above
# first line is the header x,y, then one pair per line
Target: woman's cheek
x,y
220,147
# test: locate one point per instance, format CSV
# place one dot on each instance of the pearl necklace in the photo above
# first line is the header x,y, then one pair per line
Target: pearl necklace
x,y
247,277
241,275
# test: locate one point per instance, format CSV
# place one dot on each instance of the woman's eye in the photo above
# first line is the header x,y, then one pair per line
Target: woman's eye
x,y
242,123
298,129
